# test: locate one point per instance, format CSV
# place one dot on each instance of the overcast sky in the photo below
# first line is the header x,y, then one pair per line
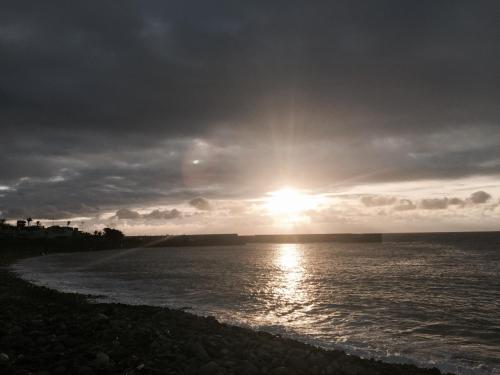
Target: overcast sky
x,y
182,116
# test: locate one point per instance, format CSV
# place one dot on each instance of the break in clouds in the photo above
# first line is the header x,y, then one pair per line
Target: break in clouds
x,y
187,113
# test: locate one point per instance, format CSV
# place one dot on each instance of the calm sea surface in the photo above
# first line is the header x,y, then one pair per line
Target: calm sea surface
x,y
432,300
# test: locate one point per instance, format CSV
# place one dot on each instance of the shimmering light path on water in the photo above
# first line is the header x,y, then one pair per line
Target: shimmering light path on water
x,y
424,302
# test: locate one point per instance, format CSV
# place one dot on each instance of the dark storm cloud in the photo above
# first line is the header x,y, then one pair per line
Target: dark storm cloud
x,y
150,64
201,203
156,215
91,91
162,215
456,202
126,214
434,203
377,200
403,204
480,197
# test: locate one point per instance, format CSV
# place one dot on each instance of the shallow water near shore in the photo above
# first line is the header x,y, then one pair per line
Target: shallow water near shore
x,y
415,299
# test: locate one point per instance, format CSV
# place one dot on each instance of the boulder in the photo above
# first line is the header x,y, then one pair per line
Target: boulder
x,y
199,351
297,359
318,359
247,368
85,370
102,318
59,348
210,368
60,370
353,369
282,370
101,360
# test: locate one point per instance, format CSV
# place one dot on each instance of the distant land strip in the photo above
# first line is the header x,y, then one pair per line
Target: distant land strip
x,y
235,239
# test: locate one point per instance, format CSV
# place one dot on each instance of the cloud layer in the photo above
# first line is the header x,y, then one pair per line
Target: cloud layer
x,y
119,108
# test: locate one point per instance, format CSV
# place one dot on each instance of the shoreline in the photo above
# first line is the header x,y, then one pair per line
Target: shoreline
x,y
45,331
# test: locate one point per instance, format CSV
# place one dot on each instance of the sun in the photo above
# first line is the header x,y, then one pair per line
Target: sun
x,y
289,203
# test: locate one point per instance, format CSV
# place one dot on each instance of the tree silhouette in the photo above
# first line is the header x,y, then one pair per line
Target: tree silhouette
x,y
38,223
29,220
113,234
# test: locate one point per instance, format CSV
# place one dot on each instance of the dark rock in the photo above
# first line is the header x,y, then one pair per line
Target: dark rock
x,y
38,323
352,369
4,358
210,368
59,348
211,320
41,340
199,351
318,359
70,342
140,367
5,340
247,368
332,368
282,370
297,359
101,360
16,330
160,316
85,370
275,362
60,370
102,318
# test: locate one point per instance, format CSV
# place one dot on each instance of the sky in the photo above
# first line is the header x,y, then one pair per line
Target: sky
x,y
159,117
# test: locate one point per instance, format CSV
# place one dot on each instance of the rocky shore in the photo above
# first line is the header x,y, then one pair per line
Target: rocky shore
x,y
47,332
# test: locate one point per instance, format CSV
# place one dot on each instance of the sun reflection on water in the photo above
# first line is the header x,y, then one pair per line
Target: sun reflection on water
x,y
287,285
288,257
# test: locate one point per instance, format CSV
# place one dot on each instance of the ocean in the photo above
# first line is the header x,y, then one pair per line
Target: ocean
x,y
427,299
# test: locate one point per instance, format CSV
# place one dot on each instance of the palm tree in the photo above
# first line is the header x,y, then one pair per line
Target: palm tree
x,y
68,223
38,223
29,220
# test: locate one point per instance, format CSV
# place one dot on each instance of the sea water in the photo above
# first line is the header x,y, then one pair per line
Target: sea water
x,y
431,300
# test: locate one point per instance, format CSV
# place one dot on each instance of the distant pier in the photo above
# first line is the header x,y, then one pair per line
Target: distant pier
x,y
313,238
235,239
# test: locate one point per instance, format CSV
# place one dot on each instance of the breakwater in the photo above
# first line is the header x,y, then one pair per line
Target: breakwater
x,y
235,239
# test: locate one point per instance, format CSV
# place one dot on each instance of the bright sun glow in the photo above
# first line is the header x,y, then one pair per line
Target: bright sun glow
x,y
289,203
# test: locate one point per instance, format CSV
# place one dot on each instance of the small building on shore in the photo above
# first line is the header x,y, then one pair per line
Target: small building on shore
x,y
57,231
7,230
21,230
